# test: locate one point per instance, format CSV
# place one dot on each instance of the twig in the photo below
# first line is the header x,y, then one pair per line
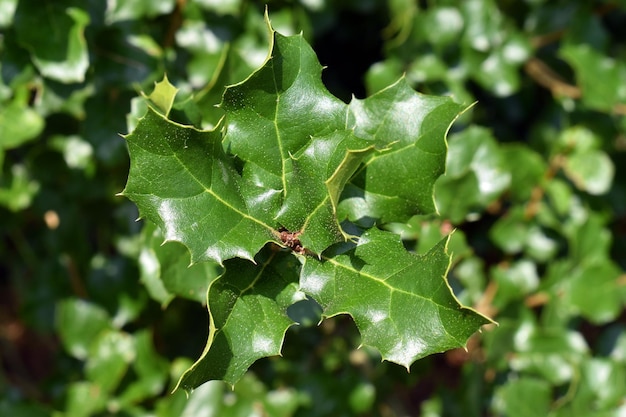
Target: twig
x,y
546,77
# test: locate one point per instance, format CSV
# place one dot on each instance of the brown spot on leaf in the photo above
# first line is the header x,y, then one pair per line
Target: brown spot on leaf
x,y
291,240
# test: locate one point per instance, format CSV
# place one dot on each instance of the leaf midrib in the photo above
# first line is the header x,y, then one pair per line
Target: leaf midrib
x,y
337,263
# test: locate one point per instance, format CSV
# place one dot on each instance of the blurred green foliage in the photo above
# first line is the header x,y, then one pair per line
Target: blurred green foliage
x,y
533,188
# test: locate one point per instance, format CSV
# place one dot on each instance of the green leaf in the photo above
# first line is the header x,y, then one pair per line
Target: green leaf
x,y
287,127
476,174
524,397
119,10
514,281
594,290
21,190
163,95
151,370
18,124
591,171
401,302
84,399
527,169
398,182
248,316
181,179
248,397
79,323
7,10
597,76
288,149
554,353
109,357
221,6
166,271
54,34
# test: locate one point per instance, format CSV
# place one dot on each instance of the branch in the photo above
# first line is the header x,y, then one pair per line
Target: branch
x,y
546,77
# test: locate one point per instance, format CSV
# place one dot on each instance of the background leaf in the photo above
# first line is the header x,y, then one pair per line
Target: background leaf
x,y
54,34
166,271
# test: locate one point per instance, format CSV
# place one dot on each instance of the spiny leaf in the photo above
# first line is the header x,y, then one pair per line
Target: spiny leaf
x,y
288,150
248,316
398,183
181,179
284,126
400,302
317,175
290,130
163,95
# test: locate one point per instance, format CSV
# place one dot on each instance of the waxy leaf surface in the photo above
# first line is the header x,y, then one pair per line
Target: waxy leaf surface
x,y
398,182
275,169
291,131
400,302
181,179
248,307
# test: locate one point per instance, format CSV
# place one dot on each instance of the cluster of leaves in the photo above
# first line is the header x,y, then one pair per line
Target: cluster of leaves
x,y
532,185
272,173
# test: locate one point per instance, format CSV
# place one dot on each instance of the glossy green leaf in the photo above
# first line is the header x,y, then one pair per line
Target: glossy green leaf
x,y
527,169
182,180
282,121
382,74
599,392
589,239
248,397
401,304
554,353
150,368
85,399
7,10
514,281
221,6
163,96
443,25
248,316
607,380
54,35
398,182
280,159
521,230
